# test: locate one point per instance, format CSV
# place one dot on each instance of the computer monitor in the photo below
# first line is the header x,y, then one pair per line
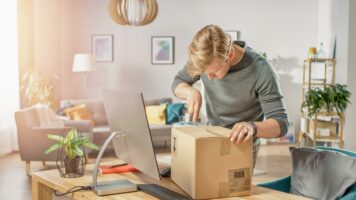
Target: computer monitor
x,y
131,137
125,112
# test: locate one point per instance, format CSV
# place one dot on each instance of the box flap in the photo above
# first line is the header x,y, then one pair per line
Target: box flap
x,y
205,131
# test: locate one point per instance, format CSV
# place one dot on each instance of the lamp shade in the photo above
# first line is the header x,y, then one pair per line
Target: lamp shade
x,y
84,62
133,12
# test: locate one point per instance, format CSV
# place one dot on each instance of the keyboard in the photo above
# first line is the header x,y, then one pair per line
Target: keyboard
x,y
161,192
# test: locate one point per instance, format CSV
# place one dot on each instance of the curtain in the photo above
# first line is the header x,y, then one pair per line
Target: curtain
x,y
9,77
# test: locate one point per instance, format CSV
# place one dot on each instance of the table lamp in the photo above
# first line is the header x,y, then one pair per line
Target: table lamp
x,y
84,62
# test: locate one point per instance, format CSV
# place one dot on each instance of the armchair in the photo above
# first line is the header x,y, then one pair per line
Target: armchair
x,y
33,139
284,184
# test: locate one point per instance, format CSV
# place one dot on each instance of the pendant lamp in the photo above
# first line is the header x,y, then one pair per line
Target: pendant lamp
x,y
133,12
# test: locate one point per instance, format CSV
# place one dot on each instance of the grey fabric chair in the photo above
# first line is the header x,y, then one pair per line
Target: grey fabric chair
x,y
33,139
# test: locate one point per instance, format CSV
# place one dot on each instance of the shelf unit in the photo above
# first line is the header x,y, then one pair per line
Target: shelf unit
x,y
320,73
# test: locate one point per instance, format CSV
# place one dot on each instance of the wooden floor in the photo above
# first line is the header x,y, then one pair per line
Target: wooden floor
x,y
15,185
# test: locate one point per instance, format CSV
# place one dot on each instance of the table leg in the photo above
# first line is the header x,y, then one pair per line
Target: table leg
x,y
40,191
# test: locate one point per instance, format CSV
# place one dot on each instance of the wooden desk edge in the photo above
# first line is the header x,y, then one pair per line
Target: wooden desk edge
x,y
43,189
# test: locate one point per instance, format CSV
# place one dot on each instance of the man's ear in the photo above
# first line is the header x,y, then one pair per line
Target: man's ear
x,y
232,53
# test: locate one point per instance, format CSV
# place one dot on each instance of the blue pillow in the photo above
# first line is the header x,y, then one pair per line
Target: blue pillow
x,y
174,111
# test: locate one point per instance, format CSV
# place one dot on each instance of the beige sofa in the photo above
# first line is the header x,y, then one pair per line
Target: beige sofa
x,y
161,134
32,137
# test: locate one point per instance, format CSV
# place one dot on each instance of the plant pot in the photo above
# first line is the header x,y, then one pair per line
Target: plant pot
x,y
71,166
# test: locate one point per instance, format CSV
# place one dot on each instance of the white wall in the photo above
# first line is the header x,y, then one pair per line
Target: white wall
x,y
336,20
333,25
350,129
284,29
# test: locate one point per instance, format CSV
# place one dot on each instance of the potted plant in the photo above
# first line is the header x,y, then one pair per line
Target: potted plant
x,y
331,99
72,146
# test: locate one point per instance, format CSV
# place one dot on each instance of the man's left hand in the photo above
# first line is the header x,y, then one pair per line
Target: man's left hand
x,y
241,132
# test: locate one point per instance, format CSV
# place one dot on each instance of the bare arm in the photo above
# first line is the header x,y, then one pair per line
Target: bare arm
x,y
192,96
182,90
268,128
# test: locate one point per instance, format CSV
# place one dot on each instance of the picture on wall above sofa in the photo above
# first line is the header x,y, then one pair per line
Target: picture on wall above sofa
x,y
102,47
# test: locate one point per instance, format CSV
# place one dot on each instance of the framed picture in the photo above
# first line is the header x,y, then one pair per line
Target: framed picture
x,y
162,51
235,35
102,48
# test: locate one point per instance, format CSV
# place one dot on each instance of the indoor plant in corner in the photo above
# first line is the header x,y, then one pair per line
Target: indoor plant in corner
x,y
331,99
71,157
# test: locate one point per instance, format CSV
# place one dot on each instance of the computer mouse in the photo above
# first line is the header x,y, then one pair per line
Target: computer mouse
x,y
166,172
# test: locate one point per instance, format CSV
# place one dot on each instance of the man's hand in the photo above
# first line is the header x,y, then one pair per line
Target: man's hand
x,y
193,102
241,132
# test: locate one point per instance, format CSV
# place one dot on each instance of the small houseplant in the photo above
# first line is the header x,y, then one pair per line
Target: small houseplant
x,y
330,99
71,155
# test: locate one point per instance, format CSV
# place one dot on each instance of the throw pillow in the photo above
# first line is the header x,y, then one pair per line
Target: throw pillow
x,y
79,112
66,105
321,174
156,114
174,112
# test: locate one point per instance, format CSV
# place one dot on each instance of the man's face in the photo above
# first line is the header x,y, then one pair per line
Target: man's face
x,y
217,69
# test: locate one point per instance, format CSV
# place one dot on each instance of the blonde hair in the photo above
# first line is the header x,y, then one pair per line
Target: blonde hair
x,y
209,43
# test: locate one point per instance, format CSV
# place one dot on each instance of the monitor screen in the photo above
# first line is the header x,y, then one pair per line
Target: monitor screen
x,y
125,113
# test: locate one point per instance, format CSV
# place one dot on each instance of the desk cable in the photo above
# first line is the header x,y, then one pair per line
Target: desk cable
x,y
73,189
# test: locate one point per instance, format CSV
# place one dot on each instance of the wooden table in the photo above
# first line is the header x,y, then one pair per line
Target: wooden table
x,y
45,182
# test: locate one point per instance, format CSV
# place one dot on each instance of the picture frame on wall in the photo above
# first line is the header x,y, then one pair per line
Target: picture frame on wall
x,y
162,50
235,35
102,47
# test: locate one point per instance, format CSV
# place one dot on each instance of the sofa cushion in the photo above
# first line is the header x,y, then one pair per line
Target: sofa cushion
x,y
47,117
65,105
156,114
174,112
79,113
321,174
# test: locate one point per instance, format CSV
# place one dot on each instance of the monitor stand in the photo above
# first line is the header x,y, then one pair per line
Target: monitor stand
x,y
110,187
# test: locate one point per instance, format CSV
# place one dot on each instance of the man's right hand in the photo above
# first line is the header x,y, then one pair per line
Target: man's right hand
x,y
193,101
192,98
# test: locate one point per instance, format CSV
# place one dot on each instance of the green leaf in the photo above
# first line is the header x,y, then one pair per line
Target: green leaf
x,y
55,137
91,145
78,151
53,148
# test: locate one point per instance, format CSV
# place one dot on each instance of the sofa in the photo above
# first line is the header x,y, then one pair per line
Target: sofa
x,y
161,134
32,134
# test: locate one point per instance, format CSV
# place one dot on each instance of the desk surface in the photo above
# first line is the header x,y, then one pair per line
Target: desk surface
x,y
44,182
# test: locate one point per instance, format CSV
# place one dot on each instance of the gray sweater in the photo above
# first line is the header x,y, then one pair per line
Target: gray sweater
x,y
249,92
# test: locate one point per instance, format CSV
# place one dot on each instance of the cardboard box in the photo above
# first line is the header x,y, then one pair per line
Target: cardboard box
x,y
205,164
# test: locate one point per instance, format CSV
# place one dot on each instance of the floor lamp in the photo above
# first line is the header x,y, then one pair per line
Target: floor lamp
x,y
84,62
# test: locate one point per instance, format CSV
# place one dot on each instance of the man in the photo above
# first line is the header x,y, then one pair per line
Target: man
x,y
242,89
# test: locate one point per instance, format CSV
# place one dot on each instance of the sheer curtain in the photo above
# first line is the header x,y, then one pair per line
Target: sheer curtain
x,y
9,76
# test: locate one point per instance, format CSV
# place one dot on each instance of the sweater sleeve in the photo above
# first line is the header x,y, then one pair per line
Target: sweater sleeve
x,y
270,97
183,77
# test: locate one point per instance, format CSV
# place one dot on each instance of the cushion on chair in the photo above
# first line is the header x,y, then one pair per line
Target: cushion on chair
x,y
156,114
79,112
321,174
66,104
174,112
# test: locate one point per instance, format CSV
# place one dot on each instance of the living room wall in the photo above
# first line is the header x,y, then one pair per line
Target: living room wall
x,y
283,29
